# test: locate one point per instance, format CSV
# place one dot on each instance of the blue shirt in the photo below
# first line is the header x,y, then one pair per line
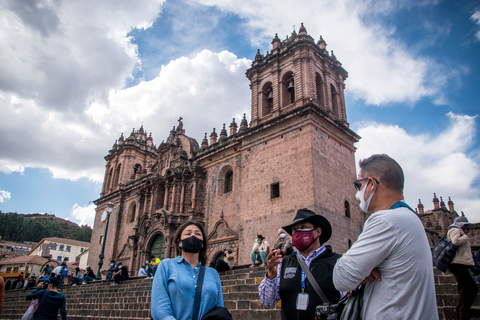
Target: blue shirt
x,y
173,290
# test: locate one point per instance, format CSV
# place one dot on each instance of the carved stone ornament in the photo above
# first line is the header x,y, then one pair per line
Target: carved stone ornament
x,y
222,233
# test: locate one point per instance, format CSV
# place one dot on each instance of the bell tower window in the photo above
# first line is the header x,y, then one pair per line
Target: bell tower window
x,y
288,89
267,99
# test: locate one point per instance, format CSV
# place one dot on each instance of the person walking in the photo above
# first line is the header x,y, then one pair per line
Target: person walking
x,y
460,267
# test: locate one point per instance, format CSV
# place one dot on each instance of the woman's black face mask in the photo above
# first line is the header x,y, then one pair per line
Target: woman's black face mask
x,y
192,244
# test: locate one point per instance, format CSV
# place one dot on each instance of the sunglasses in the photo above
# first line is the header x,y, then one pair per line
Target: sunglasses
x,y
358,183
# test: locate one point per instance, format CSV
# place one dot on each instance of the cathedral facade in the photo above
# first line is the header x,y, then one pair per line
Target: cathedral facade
x,y
297,151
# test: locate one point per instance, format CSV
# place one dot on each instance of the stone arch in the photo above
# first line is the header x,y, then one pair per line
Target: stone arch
x,y
335,100
226,172
157,243
117,174
319,83
108,184
132,209
221,238
266,99
287,88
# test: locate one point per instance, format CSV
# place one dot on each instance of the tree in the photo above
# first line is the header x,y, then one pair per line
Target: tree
x,y
84,233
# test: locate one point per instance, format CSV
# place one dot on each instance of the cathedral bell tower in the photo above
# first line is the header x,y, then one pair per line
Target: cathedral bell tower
x,y
297,71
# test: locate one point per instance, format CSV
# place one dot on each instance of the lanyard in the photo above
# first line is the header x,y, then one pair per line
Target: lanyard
x,y
399,204
303,281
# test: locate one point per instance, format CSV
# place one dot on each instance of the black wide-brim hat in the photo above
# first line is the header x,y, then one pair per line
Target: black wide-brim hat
x,y
316,219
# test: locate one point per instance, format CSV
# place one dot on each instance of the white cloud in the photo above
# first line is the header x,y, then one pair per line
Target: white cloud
x,y
4,196
83,215
382,68
476,18
440,164
206,90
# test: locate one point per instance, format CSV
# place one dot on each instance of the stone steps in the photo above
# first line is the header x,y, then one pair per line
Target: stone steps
x,y
131,299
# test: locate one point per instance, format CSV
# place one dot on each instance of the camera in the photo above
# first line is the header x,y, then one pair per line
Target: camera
x,y
326,311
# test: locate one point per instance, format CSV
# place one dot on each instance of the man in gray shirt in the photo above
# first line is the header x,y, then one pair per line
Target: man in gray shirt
x,y
392,256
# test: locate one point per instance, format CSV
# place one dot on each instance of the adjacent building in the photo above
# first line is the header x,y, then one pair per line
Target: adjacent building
x,y
59,249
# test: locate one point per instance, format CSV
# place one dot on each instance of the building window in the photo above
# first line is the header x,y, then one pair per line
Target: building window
x,y
81,250
59,258
68,248
347,209
50,256
101,240
229,181
15,269
52,246
61,247
349,244
275,190
66,259
77,259
9,269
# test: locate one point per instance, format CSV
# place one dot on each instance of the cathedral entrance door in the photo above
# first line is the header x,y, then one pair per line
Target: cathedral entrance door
x,y
158,247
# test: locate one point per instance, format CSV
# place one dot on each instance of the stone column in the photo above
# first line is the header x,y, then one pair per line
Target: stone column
x,y
165,199
182,197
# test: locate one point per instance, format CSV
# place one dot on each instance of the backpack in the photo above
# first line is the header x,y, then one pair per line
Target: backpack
x,y
443,254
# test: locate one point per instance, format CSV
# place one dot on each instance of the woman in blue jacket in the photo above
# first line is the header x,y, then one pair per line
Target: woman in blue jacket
x,y
50,301
173,289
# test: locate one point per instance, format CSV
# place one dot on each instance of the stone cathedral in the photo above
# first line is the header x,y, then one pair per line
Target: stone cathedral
x,y
297,151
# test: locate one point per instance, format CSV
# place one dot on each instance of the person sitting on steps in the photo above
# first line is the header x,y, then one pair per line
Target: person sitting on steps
x,y
259,251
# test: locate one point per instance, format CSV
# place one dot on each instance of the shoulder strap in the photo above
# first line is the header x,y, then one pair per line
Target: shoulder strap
x,y
312,280
198,293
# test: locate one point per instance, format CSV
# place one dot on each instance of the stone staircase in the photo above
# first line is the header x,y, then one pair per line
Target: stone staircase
x,y
131,299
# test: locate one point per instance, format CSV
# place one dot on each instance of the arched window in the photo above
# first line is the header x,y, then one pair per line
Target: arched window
x,y
288,89
117,174
320,93
267,99
228,181
133,209
137,169
109,180
334,100
349,244
347,209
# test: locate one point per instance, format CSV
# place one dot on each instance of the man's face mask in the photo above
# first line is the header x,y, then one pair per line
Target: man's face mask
x,y
303,238
360,195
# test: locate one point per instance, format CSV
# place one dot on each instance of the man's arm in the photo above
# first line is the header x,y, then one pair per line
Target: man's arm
x,y
357,265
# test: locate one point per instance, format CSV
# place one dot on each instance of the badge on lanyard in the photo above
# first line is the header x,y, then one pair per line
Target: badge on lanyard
x,y
302,298
302,301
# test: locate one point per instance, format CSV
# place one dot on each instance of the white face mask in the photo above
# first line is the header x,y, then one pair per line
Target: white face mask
x,y
282,235
360,195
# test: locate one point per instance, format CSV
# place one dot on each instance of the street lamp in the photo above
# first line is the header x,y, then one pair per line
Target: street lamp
x,y
105,216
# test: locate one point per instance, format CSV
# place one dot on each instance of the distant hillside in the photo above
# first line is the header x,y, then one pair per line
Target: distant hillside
x,y
36,226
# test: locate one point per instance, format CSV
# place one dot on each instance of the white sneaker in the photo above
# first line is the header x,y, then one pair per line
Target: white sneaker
x,y
74,285
84,282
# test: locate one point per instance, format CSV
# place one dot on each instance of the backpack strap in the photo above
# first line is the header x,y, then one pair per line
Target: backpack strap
x,y
198,293
312,280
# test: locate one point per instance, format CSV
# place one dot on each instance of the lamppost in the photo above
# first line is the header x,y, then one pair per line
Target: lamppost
x,y
105,216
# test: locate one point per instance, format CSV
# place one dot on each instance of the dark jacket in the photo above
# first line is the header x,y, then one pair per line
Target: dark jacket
x,y
291,284
50,303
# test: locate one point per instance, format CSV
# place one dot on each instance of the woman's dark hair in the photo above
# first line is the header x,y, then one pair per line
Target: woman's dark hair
x,y
259,236
202,255
54,282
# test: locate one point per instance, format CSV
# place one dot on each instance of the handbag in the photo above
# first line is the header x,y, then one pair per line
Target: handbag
x,y
443,254
352,304
32,308
217,313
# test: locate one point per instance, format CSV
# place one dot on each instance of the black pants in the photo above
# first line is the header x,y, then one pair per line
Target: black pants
x,y
119,277
221,265
467,289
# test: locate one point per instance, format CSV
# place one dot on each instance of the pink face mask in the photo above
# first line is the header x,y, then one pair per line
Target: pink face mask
x,y
303,238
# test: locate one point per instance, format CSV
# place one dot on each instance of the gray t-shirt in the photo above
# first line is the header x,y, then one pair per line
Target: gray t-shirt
x,y
394,242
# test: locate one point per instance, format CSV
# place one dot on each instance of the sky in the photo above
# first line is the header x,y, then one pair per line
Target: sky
x,y
75,75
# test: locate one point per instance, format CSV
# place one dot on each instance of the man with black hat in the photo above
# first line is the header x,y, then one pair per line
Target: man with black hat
x,y
285,278
392,255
